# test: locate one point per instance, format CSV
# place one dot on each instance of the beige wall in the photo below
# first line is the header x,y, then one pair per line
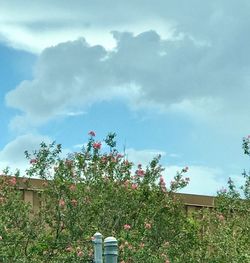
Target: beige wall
x,y
192,202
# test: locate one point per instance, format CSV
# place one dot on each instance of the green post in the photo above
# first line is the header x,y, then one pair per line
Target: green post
x,y
110,250
98,248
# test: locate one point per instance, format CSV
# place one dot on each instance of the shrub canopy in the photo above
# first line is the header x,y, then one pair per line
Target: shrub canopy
x,y
93,190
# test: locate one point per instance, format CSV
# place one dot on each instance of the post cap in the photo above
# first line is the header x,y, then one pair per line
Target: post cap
x,y
97,234
97,238
110,239
110,246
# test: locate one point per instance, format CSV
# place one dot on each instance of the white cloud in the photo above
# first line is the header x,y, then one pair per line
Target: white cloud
x,y
73,113
142,156
146,71
174,155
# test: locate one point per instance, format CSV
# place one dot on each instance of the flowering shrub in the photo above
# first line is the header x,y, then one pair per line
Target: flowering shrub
x,y
225,230
93,190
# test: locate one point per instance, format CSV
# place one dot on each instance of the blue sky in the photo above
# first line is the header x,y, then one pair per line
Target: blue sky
x,y
167,77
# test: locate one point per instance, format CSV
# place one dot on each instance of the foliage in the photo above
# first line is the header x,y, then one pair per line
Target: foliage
x,y
225,230
93,190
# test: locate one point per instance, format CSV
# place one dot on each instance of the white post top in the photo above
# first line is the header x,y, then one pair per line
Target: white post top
x,y
110,239
97,234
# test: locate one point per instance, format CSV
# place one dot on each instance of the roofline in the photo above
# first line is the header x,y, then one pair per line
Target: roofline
x,y
188,199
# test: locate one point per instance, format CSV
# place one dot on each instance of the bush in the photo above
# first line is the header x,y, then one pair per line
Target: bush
x,y
92,191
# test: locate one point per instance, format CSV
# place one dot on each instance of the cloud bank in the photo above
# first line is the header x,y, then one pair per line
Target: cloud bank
x,y
144,70
190,58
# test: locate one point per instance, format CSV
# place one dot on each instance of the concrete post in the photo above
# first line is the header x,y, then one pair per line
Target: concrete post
x,y
98,248
110,250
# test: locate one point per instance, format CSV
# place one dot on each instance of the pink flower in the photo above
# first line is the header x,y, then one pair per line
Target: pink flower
x,y
127,227
69,249
163,184
148,226
79,253
12,181
74,202
61,203
134,186
33,161
92,133
167,261
140,172
72,187
97,145
119,156
104,159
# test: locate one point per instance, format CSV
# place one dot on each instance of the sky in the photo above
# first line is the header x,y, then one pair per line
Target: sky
x,y
168,77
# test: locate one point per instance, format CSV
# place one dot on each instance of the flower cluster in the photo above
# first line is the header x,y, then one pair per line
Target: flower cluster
x,y
97,145
163,184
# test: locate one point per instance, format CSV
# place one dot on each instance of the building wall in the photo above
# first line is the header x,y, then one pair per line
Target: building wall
x,y
192,202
